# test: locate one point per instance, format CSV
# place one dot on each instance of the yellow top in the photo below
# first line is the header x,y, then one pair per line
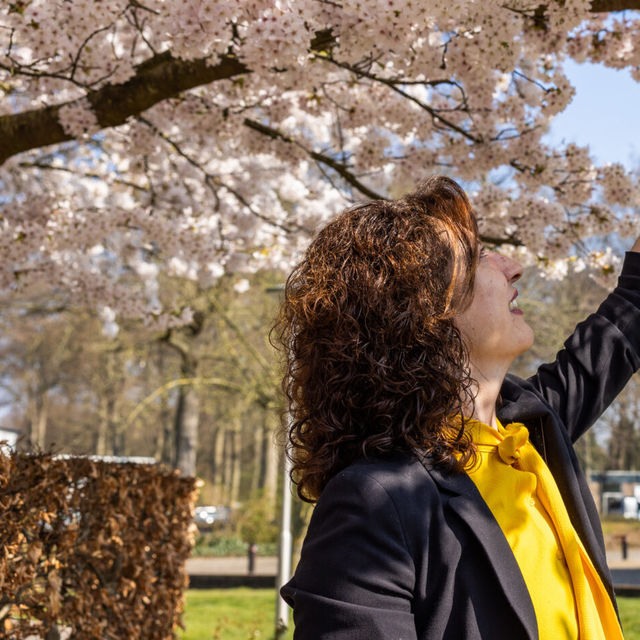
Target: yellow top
x,y
568,596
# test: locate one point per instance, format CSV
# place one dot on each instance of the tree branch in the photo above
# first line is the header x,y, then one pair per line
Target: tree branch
x,y
213,181
602,6
498,242
87,174
434,113
338,167
156,79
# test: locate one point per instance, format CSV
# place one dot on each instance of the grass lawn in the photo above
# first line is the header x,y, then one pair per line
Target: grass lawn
x,y
614,527
630,614
230,614
248,614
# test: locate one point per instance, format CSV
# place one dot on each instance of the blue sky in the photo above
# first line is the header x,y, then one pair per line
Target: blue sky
x,y
602,114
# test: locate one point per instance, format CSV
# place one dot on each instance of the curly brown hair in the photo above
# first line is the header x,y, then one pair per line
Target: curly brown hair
x,y
374,362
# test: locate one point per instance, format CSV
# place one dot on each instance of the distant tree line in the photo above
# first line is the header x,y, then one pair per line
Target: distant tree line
x,y
203,398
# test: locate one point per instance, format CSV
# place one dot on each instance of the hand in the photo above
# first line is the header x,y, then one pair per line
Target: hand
x,y
636,245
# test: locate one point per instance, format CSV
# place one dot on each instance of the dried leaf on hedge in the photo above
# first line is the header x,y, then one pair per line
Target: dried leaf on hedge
x,y
79,548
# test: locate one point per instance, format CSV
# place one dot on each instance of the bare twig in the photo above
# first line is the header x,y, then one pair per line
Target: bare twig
x,y
214,181
434,113
340,168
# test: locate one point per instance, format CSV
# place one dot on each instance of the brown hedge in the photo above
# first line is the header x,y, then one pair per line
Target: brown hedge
x,y
91,548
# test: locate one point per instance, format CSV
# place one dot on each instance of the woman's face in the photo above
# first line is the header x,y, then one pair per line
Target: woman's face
x,y
492,327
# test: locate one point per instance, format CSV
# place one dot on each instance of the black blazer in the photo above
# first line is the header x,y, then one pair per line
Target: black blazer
x,y
396,549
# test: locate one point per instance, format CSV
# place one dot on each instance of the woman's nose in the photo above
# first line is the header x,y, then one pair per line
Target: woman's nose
x,y
512,269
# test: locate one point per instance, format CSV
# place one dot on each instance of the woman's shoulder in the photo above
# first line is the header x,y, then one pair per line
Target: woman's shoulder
x,y
401,476
391,498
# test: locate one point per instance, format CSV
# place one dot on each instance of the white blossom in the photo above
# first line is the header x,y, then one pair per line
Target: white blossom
x,y
189,190
242,286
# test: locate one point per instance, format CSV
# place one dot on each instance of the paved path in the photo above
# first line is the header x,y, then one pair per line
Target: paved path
x,y
615,561
199,566
269,566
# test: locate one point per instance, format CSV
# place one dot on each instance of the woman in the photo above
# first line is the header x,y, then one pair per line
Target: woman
x,y
439,516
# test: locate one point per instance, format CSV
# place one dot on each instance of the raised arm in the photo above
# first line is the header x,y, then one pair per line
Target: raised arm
x,y
355,577
599,357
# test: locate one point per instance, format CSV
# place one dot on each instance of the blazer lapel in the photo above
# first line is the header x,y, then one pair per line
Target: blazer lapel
x,y
554,446
465,500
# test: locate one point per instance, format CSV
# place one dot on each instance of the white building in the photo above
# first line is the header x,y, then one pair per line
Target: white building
x,y
617,492
9,435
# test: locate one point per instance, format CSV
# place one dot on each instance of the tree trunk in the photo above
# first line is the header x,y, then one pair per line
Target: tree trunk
x,y
187,421
164,450
628,439
226,466
270,455
621,442
234,489
37,419
187,416
218,458
110,437
103,427
30,426
257,457
41,417
116,432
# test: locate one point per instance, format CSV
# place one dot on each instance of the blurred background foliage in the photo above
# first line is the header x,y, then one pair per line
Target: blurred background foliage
x,y
212,388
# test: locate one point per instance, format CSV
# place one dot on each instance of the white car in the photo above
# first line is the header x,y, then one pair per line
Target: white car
x,y
209,516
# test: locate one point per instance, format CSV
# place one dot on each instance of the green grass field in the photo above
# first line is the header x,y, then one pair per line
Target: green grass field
x,y
248,614
630,614
230,614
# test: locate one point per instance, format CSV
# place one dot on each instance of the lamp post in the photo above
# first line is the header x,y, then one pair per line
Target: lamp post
x,y
285,551
285,539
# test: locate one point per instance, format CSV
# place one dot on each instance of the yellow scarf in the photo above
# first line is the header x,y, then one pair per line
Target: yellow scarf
x,y
596,616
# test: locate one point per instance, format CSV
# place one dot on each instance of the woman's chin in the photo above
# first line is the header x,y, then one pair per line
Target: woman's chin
x,y
527,342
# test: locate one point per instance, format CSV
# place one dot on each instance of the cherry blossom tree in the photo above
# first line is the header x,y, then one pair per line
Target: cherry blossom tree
x,y
192,138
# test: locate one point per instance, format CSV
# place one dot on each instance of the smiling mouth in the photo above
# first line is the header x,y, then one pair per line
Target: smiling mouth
x,y
513,305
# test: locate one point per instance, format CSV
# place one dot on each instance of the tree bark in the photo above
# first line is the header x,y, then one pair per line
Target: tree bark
x,y
156,79
187,422
187,419
257,470
610,6
218,458
187,416
270,455
622,444
42,415
165,450
164,445
38,415
234,490
116,431
226,467
103,427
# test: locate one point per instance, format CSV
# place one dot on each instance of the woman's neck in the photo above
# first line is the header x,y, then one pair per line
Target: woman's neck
x,y
487,389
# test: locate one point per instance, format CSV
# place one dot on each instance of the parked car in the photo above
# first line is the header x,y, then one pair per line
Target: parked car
x,y
209,517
